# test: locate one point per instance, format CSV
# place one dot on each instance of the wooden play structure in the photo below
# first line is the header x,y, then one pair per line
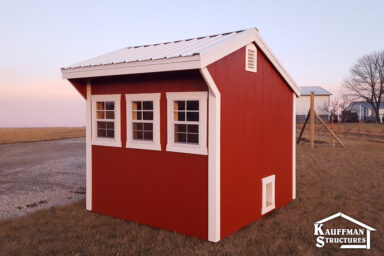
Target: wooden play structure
x,y
311,116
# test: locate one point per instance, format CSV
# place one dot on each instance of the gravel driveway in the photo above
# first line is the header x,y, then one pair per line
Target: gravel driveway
x,y
37,175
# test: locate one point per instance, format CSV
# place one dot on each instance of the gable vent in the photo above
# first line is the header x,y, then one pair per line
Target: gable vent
x,y
251,58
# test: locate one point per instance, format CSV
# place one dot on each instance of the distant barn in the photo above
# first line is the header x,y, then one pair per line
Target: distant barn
x,y
195,136
322,102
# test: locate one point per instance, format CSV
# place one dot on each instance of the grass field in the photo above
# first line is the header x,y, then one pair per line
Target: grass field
x,y
14,135
329,180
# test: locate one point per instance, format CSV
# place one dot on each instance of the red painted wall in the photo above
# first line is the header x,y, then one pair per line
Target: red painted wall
x,y
158,188
256,137
80,85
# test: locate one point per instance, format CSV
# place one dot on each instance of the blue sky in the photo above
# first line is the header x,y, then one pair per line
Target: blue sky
x,y
316,41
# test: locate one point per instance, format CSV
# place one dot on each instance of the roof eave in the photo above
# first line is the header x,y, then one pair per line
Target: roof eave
x,y
137,67
317,94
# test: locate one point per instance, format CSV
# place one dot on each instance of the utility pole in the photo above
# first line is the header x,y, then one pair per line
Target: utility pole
x,y
312,121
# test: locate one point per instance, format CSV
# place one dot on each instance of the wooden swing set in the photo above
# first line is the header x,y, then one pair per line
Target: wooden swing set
x,y
311,115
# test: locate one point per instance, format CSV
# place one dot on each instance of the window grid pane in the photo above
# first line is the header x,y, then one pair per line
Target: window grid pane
x,y
105,129
186,133
142,120
186,111
186,121
142,110
105,116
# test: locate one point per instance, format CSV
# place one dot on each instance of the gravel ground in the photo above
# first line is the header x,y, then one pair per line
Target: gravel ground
x,y
38,175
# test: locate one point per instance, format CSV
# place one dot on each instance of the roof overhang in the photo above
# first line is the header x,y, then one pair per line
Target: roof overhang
x,y
316,94
137,67
203,59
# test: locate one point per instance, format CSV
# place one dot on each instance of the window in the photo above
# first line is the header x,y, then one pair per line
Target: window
x,y
268,193
251,58
187,122
106,120
143,121
105,116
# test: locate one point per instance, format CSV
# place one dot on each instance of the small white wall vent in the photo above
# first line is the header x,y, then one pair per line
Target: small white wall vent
x,y
268,194
251,58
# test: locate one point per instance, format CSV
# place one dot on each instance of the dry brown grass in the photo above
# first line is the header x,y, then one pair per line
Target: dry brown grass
x,y
329,180
14,135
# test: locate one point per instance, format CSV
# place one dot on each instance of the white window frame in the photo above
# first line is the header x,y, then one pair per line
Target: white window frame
x,y
110,142
265,181
252,47
143,144
201,148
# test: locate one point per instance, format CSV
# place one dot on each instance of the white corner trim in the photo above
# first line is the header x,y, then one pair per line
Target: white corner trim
x,y
214,118
252,47
294,147
201,148
267,208
88,148
116,141
141,144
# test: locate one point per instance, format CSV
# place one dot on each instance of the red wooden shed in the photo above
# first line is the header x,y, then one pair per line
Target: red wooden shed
x,y
195,136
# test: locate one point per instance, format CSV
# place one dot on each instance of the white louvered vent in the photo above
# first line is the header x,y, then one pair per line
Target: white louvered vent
x,y
251,58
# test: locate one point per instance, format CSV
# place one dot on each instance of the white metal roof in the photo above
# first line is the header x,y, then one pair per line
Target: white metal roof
x,y
167,50
317,90
194,53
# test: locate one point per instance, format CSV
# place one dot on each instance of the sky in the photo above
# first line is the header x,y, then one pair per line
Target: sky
x,y
316,41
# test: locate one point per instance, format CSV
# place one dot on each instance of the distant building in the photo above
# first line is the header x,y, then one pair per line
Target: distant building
x,y
365,111
322,102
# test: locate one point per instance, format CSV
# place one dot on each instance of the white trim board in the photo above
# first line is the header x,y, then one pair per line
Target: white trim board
x,y
88,147
150,66
265,181
142,144
110,142
294,147
201,147
214,117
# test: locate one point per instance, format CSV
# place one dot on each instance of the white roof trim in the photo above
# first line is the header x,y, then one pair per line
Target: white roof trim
x,y
150,66
212,52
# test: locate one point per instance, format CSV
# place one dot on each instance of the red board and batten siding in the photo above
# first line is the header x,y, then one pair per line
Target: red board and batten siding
x,y
256,137
158,188
170,190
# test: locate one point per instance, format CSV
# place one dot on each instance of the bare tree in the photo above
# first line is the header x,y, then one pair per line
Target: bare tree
x,y
330,108
366,80
325,108
344,102
334,107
